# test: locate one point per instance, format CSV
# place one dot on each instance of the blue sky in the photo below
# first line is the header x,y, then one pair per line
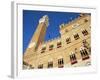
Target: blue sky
x,y
31,19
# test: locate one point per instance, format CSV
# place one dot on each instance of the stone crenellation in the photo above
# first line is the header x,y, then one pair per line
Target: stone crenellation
x,y
71,49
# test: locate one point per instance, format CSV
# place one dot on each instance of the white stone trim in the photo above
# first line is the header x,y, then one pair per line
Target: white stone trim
x,y
44,19
31,45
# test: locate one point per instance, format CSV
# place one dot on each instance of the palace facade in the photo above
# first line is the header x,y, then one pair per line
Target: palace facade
x,y
71,49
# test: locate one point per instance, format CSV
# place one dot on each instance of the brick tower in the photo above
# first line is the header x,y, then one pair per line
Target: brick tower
x,y
37,38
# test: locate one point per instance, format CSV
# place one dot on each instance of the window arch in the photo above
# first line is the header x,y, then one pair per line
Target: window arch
x,y
68,40
84,53
50,63
59,44
85,32
43,49
51,47
60,62
76,36
40,66
73,59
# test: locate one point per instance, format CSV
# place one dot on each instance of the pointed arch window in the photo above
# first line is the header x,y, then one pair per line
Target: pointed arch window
x,y
51,47
43,49
40,66
73,59
50,64
60,63
84,54
68,40
76,36
58,44
85,20
85,32
31,67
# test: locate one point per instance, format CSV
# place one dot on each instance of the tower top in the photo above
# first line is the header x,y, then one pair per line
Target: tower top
x,y
44,19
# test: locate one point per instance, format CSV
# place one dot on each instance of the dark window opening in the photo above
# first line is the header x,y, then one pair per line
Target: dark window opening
x,y
73,59
85,20
59,45
60,63
68,40
84,54
40,66
50,64
31,67
85,32
43,49
76,36
51,47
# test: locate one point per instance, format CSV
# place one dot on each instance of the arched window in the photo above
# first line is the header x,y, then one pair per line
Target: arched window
x,y
40,66
51,47
84,54
58,44
73,59
50,64
43,49
85,32
31,67
60,63
85,20
68,40
76,36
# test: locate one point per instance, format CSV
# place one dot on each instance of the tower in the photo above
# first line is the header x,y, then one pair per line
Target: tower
x,y
37,38
39,34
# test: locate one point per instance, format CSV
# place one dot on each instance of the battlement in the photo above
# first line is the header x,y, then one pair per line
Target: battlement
x,y
62,26
54,39
67,50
